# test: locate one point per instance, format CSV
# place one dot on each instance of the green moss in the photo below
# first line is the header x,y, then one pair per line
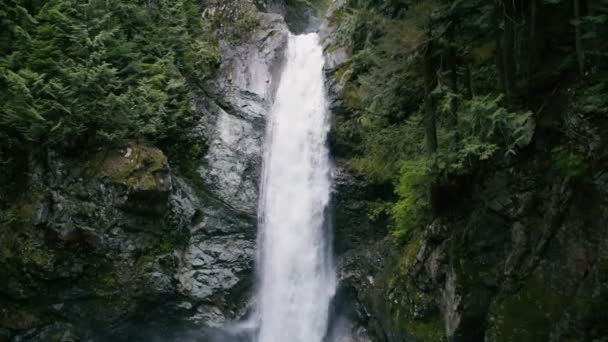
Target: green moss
x,y
418,316
10,217
40,257
528,314
485,51
413,311
27,207
344,71
28,248
351,96
336,18
142,263
411,250
107,281
246,22
135,166
432,331
166,246
568,162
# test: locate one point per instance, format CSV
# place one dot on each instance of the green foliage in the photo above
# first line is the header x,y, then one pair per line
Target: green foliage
x,y
591,99
98,72
476,75
380,210
382,130
484,128
246,22
11,217
529,315
411,210
384,149
580,151
353,27
568,162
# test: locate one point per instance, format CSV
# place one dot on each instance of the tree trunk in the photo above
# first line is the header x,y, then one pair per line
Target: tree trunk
x,y
532,47
498,34
430,124
451,61
429,104
580,52
594,58
509,49
468,82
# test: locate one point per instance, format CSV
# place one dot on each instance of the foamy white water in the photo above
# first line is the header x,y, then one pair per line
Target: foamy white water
x,y
297,278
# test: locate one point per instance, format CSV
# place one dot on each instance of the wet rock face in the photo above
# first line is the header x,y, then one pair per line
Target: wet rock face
x,y
89,244
335,56
217,267
235,113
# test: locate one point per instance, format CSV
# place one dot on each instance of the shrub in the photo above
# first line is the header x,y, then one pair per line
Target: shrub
x,y
411,211
569,163
484,129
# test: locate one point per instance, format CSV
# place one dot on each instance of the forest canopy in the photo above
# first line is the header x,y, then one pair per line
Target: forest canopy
x,y
85,73
438,92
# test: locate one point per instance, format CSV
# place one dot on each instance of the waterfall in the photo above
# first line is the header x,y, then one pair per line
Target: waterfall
x,y
296,275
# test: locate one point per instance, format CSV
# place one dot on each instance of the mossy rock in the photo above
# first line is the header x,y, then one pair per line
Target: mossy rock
x,y
418,317
414,312
410,254
431,331
528,314
139,167
344,72
337,17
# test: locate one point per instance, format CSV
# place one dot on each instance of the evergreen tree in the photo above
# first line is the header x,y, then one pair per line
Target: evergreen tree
x,y
76,74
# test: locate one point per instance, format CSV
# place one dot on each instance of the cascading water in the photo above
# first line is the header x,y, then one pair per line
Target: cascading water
x,y
297,279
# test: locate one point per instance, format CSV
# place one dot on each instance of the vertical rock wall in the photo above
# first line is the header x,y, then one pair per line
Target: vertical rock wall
x,y
218,264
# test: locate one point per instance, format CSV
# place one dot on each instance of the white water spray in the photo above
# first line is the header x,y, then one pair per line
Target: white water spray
x,y
297,279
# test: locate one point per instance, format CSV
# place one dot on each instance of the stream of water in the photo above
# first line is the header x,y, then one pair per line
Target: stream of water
x,y
295,266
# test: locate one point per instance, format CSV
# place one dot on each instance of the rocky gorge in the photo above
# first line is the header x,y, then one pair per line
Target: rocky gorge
x,y
122,244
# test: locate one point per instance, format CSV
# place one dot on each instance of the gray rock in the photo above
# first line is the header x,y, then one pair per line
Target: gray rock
x,y
217,264
234,117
